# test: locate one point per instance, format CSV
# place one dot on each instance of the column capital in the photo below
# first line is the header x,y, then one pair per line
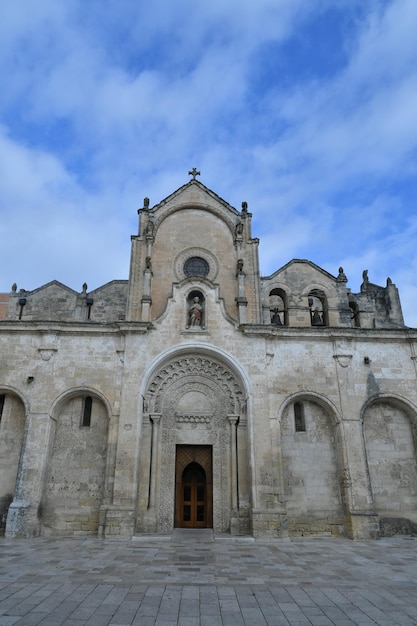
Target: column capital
x,y
155,417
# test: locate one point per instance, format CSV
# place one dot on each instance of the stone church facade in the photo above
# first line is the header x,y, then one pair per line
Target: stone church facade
x,y
198,393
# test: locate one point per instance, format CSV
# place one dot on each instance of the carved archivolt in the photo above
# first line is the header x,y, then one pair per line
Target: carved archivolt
x,y
189,372
160,213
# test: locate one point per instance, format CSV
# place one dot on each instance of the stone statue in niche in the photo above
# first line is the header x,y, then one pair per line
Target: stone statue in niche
x,y
195,312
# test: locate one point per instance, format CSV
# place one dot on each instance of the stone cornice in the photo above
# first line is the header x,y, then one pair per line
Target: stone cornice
x,y
326,333
74,328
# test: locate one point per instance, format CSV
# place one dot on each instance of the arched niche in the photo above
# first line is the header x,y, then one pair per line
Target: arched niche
x,y
75,477
12,428
311,466
389,431
196,314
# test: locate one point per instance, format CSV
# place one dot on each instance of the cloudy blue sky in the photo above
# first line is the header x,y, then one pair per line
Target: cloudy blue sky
x,y
306,109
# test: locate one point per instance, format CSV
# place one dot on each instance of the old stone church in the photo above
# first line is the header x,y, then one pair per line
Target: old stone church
x,y
199,393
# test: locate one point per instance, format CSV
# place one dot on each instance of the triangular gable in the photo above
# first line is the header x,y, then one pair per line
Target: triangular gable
x,y
109,285
186,195
302,262
53,283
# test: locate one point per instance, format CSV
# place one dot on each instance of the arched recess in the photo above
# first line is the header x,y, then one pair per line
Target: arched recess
x,y
317,303
12,428
317,297
390,437
229,217
312,462
196,310
76,469
194,398
355,314
278,307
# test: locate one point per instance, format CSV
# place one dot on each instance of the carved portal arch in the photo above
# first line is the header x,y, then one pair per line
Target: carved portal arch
x,y
193,400
201,370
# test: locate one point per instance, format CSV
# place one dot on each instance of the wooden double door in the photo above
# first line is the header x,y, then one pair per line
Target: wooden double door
x,y
193,487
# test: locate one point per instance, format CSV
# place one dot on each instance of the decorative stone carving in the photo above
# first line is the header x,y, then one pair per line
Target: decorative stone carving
x,y
239,231
343,359
341,278
345,478
150,227
193,419
47,353
200,370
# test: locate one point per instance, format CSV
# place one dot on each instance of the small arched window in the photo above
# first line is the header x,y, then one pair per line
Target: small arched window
x,y
299,419
86,415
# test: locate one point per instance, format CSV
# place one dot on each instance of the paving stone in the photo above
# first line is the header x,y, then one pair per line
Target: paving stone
x,y
102,583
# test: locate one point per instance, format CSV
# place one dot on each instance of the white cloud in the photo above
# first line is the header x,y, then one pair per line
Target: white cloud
x,y
49,226
108,102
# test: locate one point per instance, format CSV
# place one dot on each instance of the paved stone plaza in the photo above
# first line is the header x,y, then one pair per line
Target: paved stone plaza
x,y
196,578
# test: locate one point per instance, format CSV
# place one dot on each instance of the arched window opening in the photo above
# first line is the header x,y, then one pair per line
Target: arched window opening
x,y
317,304
89,303
86,416
278,307
356,322
196,310
299,419
2,401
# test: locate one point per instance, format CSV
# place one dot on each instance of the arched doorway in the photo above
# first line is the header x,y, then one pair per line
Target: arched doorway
x,y
193,487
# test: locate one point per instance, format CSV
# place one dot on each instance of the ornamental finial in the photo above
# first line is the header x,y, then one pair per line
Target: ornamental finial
x,y
194,172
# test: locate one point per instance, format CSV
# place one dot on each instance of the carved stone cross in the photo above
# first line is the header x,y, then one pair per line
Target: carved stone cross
x,y
194,172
